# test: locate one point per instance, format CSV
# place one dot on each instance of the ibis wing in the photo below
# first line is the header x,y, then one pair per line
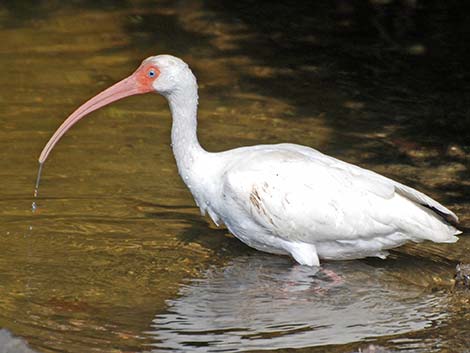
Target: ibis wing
x,y
375,182
372,180
298,194
297,198
422,199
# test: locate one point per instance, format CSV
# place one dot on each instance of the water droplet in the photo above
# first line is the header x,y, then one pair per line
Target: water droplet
x,y
30,228
34,207
38,179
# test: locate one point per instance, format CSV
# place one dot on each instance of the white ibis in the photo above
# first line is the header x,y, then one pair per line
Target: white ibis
x,y
285,198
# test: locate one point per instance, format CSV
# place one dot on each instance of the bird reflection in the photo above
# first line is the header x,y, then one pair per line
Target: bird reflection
x,y
260,302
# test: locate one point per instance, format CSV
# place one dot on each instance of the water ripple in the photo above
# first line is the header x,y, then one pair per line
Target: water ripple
x,y
260,302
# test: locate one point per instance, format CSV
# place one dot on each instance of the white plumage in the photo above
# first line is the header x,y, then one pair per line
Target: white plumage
x,y
286,198
291,199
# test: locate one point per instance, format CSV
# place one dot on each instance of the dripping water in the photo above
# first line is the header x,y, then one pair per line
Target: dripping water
x,y
36,187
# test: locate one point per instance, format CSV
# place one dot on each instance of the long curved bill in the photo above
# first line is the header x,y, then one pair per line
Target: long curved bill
x,y
127,87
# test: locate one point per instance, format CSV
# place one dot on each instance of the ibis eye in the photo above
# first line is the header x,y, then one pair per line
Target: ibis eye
x,y
151,73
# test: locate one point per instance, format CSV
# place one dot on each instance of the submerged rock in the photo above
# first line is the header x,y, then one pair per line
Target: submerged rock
x,y
462,275
10,344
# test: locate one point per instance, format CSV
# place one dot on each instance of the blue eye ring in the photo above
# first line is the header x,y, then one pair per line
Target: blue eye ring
x,y
151,73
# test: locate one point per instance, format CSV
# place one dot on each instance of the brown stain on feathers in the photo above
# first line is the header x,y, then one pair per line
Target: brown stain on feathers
x,y
255,200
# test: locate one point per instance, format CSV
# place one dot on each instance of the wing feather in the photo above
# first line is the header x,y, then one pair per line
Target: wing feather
x,y
384,186
296,191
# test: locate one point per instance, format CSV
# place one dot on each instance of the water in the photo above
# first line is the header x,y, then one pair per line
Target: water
x,y
115,256
34,206
38,180
260,301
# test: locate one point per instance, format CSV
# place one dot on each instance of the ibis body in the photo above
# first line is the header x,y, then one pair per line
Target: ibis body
x,y
284,198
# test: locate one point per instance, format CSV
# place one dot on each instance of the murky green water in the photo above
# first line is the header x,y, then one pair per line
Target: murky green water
x,y
117,257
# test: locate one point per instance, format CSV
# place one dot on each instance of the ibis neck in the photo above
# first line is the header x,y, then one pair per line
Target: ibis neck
x,y
186,147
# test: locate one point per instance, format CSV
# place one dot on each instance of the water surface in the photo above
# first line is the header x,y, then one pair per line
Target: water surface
x,y
258,301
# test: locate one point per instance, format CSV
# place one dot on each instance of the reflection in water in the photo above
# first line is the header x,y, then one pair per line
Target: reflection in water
x,y
261,302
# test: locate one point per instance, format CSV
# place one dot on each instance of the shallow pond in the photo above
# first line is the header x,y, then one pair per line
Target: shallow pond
x,y
117,257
